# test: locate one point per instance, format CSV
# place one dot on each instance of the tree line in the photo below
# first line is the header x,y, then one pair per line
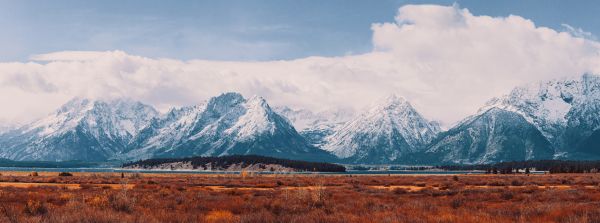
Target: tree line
x,y
245,161
551,166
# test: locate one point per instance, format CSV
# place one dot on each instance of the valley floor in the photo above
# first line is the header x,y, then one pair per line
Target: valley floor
x,y
112,197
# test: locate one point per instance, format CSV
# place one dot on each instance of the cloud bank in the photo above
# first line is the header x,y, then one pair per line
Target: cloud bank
x,y
443,59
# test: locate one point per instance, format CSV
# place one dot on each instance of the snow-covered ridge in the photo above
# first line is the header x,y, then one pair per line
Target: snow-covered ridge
x,y
255,121
391,127
224,125
121,117
564,111
81,129
553,105
5,127
304,119
496,135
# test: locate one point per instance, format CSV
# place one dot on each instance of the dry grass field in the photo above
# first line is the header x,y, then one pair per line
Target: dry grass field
x,y
147,198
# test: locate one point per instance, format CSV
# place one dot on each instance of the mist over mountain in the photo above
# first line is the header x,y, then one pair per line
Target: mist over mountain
x,y
82,129
555,119
227,124
315,127
565,110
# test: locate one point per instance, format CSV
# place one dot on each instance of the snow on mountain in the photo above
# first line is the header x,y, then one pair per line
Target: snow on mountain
x,y
254,122
315,127
303,119
6,127
81,129
495,135
122,118
564,110
383,134
226,124
166,131
559,115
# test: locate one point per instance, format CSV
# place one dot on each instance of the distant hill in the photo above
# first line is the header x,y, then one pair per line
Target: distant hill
x,y
235,163
49,164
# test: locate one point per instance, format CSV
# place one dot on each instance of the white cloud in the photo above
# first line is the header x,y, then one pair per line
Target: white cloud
x,y
445,60
578,32
75,56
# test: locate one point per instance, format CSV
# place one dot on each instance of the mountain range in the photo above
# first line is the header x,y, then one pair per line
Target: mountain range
x,y
556,119
385,133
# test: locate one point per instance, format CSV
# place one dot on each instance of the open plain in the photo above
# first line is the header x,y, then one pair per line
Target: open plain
x,y
115,197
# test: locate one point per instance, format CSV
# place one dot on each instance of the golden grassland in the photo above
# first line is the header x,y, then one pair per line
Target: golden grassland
x,y
134,197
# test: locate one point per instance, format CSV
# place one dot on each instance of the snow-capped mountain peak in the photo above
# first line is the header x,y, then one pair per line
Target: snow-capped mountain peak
x,y
80,129
125,115
64,119
256,120
393,102
227,124
383,133
6,126
392,109
555,106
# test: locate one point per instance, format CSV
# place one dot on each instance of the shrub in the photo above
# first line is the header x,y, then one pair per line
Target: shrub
x,y
496,183
507,195
420,184
35,208
457,203
135,176
516,183
121,202
65,174
10,213
97,201
400,190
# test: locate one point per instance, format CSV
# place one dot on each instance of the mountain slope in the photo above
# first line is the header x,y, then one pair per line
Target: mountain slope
x,y
383,134
564,110
589,148
4,127
81,129
495,135
225,125
316,127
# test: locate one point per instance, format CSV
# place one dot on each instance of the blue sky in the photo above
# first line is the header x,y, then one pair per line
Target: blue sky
x,y
447,59
235,30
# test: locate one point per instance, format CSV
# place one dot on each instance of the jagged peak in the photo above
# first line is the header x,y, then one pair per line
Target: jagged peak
x,y
81,105
394,99
228,96
76,103
258,101
391,104
548,101
224,101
